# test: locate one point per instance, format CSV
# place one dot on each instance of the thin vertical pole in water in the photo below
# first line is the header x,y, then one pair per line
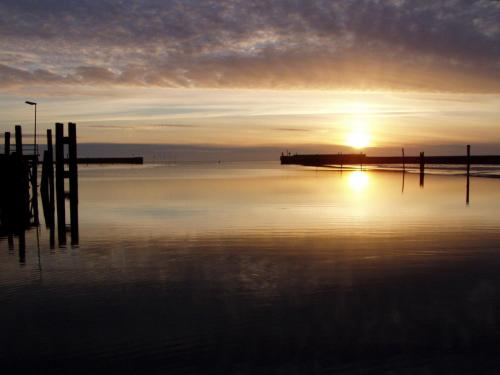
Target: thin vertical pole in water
x,y
61,211
468,159
468,175
73,182
422,169
7,143
403,151
403,182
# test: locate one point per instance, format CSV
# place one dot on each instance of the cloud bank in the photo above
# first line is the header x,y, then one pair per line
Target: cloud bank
x,y
449,45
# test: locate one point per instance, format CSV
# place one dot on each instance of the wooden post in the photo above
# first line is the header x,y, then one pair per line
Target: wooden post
x,y
403,151
19,140
50,175
468,159
422,169
73,182
34,188
468,175
7,143
61,211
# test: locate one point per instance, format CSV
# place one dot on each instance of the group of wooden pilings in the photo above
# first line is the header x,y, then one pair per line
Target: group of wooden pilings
x,y
18,210
18,198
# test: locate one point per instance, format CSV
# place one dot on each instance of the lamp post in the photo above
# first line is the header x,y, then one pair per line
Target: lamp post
x,y
35,145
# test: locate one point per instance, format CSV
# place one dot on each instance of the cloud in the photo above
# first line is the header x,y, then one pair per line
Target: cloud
x,y
142,126
450,45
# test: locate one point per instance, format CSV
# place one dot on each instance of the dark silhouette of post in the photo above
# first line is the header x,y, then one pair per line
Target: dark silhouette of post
x,y
73,182
50,175
6,148
19,183
19,140
468,159
468,175
403,182
403,152
34,188
61,210
422,169
47,183
72,175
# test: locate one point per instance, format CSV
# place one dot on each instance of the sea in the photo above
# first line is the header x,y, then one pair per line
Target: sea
x,y
259,268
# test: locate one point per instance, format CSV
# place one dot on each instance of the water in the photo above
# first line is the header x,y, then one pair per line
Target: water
x,y
257,268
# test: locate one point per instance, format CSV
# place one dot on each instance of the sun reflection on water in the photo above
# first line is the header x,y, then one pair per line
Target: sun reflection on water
x,y
358,181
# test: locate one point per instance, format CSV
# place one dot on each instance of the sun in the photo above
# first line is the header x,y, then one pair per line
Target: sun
x,y
358,139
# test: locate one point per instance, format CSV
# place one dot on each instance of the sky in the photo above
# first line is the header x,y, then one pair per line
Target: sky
x,y
228,73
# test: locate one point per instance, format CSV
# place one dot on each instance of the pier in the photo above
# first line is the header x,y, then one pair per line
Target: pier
x,y
58,186
362,159
131,160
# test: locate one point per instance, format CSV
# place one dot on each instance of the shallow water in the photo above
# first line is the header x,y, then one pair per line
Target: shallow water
x,y
258,268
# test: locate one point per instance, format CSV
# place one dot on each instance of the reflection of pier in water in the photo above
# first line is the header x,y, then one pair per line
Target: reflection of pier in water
x,y
323,160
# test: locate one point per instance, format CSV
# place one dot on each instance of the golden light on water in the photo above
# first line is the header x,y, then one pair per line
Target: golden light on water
x,y
358,181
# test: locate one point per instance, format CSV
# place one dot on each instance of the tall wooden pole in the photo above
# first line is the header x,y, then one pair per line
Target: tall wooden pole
x,y
468,159
61,211
468,175
422,169
73,181
19,140
7,143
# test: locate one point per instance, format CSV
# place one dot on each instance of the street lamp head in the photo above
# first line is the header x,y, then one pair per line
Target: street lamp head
x,y
30,103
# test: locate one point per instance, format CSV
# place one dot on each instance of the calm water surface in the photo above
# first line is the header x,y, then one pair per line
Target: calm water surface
x,y
257,268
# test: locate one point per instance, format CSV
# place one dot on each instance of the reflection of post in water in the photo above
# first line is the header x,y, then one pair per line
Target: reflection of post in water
x,y
10,242
403,152
403,182
422,169
468,175
61,175
47,188
22,246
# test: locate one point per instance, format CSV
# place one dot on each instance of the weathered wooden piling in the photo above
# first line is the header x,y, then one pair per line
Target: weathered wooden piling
x,y
73,181
19,140
468,159
6,148
47,183
468,176
34,188
422,169
72,175
50,178
61,209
